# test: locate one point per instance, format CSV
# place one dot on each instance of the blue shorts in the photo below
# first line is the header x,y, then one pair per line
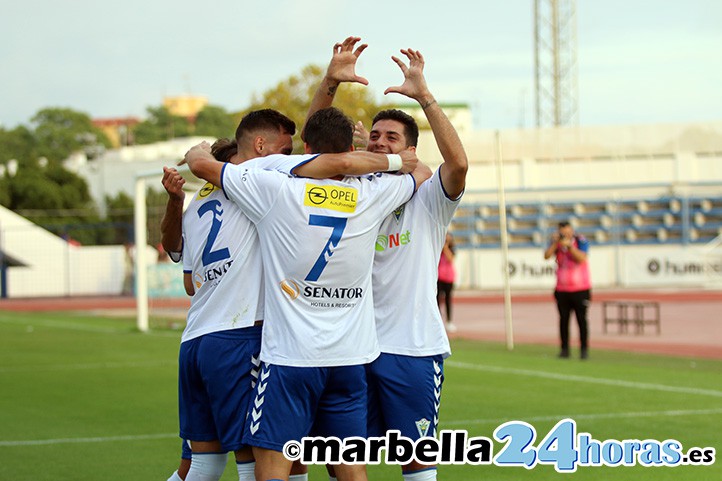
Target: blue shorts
x,y
215,385
404,394
293,402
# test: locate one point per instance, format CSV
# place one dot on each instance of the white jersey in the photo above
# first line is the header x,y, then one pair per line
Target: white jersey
x,y
405,271
222,253
317,239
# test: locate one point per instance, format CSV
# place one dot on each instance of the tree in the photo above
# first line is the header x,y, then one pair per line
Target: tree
x,y
214,121
19,144
121,216
60,132
160,125
293,95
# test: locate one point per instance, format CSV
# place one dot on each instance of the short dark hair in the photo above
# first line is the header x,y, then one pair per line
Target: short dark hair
x,y
223,149
328,131
264,119
411,129
563,224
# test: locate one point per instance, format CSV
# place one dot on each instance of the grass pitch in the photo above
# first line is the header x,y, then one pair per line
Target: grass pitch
x,y
90,398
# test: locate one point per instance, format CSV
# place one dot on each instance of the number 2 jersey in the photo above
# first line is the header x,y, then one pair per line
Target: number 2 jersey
x,y
317,239
222,254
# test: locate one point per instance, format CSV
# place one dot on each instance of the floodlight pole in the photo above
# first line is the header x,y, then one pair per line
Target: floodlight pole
x,y
509,329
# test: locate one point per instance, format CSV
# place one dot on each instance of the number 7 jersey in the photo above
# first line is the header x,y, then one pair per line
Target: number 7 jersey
x,y
317,243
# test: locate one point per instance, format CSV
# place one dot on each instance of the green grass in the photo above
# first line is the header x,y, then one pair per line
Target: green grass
x,y
89,398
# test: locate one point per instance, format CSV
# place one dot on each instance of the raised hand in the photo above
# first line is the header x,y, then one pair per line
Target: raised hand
x,y
360,136
414,85
410,161
342,67
202,150
173,183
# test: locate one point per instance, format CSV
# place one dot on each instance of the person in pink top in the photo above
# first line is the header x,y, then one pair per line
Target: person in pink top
x,y
573,289
445,283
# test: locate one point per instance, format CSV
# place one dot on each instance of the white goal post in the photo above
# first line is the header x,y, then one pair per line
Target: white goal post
x,y
141,238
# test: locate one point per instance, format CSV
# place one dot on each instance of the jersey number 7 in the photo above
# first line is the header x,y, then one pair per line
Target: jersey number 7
x,y
338,224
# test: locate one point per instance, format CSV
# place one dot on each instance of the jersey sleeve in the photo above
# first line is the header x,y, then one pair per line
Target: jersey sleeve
x,y
254,190
185,256
394,190
435,199
280,162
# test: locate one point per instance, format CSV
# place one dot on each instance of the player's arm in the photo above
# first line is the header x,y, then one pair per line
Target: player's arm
x,y
456,164
203,164
342,68
188,284
421,174
171,236
326,166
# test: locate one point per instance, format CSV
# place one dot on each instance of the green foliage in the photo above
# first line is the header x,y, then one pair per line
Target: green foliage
x,y
293,95
20,144
41,188
120,214
58,200
47,188
160,125
30,189
60,131
214,121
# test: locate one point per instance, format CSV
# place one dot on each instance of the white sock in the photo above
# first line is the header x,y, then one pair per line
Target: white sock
x,y
428,474
175,477
298,477
207,466
246,471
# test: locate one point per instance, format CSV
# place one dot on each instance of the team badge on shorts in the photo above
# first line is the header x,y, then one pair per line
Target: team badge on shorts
x,y
422,425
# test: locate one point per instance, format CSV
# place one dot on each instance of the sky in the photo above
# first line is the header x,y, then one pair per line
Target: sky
x,y
639,61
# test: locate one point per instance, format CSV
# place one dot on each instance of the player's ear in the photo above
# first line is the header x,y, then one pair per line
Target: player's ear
x,y
258,144
307,148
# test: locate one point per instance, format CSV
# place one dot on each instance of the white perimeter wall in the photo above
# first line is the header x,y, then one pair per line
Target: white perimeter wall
x,y
627,266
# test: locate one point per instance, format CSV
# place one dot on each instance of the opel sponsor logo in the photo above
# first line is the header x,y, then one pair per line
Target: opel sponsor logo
x,y
207,190
317,195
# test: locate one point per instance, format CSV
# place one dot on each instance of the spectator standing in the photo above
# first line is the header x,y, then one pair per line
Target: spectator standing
x,y
445,283
573,288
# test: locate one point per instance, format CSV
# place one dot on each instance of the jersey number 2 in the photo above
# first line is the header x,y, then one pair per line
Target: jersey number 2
x,y
211,256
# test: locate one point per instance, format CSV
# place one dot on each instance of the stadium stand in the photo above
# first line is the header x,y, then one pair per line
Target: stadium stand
x,y
651,220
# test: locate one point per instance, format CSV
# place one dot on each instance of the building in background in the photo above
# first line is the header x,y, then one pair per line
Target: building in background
x,y
186,106
118,129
